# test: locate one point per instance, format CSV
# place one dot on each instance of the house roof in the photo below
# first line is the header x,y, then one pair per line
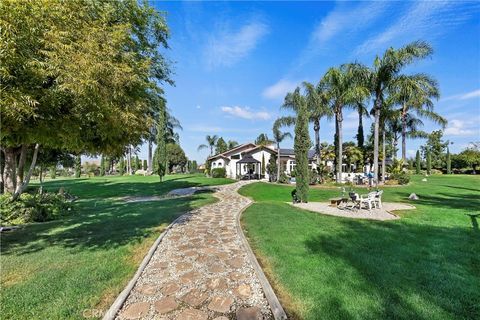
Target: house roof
x,y
233,150
248,159
259,147
291,152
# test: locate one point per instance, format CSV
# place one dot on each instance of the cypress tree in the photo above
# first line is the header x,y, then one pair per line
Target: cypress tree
x,y
78,166
263,164
449,162
102,166
301,146
161,144
429,162
417,159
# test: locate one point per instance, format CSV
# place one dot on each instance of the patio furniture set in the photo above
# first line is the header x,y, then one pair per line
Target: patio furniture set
x,y
354,201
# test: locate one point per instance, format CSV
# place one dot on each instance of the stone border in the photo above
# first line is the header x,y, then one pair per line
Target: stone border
x,y
122,297
275,306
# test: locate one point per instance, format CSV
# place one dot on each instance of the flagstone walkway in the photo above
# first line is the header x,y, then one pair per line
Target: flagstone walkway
x,y
200,270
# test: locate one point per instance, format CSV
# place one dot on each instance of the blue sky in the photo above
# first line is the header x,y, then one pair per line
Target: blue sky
x,y
233,62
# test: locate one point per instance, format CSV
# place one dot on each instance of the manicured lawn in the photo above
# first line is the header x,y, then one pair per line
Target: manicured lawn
x,y
424,266
56,270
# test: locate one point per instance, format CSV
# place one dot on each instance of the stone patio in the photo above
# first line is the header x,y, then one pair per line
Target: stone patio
x,y
384,213
200,270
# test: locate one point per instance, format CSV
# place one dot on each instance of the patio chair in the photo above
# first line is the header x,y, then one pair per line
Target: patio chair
x,y
378,199
368,199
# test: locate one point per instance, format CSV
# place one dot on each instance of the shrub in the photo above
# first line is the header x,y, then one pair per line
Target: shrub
x,y
33,207
402,177
313,176
218,173
283,178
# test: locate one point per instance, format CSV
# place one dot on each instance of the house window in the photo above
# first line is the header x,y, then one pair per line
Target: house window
x,y
236,156
292,165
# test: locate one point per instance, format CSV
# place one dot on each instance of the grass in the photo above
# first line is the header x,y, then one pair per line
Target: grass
x,y
424,266
76,266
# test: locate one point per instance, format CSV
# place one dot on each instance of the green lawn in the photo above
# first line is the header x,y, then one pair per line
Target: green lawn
x,y
424,266
56,270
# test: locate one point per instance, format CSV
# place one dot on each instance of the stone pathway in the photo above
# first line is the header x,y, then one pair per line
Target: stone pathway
x,y
200,269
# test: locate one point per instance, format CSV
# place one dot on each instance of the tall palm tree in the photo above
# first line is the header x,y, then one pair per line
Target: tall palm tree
x,y
344,86
317,106
278,137
211,142
171,136
384,74
407,125
414,94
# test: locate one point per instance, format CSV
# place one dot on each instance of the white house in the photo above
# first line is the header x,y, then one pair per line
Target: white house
x,y
245,160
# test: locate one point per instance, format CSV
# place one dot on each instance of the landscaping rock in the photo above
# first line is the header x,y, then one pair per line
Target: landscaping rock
x,y
413,196
136,310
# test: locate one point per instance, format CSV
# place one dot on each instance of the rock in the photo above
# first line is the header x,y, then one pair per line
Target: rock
x,y
424,179
136,310
413,196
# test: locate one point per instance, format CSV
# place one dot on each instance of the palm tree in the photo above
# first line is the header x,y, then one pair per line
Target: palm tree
x,y
211,142
317,106
407,125
278,137
171,136
414,94
344,87
384,74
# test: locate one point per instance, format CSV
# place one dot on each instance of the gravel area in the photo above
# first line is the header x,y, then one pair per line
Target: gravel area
x,y
200,269
384,213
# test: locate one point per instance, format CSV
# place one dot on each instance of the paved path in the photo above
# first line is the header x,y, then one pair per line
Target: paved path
x,y
200,269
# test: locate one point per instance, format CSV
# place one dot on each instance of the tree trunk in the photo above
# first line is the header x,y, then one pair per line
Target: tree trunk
x,y
21,164
10,170
278,162
404,135
316,128
375,139
339,120
150,158
21,187
360,136
384,155
40,177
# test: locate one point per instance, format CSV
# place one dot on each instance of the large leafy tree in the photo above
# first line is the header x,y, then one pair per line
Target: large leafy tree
x,y
382,77
437,147
232,144
344,87
263,140
76,75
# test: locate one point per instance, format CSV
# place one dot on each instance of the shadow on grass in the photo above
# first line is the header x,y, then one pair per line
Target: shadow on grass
x,y
99,188
413,271
102,225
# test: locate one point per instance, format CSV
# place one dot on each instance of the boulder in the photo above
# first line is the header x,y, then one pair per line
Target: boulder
x,y
413,196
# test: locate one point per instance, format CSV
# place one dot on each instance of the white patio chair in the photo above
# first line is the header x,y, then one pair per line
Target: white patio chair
x,y
378,199
368,199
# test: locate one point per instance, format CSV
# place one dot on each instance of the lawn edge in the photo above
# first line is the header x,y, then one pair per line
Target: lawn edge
x,y
122,297
275,305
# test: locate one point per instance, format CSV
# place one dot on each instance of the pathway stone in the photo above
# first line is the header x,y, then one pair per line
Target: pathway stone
x,y
200,270
165,305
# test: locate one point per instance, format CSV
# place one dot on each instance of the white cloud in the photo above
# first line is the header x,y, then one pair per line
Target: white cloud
x,y
342,20
226,48
422,19
246,113
279,89
458,127
464,96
